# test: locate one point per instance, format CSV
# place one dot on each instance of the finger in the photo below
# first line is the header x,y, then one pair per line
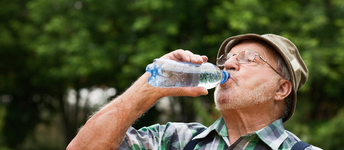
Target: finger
x,y
177,55
194,91
188,56
187,91
204,58
196,59
185,56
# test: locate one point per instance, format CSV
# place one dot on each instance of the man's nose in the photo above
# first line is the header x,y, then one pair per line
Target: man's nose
x,y
232,64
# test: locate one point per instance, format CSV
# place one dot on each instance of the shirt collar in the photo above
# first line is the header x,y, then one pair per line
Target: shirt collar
x,y
273,134
219,127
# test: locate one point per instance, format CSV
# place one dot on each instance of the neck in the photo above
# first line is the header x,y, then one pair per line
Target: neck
x,y
247,120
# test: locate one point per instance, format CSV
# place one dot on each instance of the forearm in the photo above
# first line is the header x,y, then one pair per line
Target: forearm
x,y
106,129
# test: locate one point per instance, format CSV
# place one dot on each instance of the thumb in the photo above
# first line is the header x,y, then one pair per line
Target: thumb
x,y
188,91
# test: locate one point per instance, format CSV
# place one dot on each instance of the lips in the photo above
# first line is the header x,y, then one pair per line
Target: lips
x,y
232,76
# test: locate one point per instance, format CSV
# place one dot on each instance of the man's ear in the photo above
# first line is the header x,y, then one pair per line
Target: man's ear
x,y
284,90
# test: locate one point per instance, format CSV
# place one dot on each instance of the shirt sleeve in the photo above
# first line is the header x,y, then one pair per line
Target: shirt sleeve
x,y
165,137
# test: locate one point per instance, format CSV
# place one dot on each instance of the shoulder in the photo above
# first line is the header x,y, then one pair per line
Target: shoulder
x,y
312,147
293,139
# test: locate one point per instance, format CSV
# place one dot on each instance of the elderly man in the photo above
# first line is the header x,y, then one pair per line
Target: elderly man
x,y
266,71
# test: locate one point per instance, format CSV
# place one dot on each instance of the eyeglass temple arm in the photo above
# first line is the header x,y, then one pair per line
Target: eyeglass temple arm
x,y
270,66
219,57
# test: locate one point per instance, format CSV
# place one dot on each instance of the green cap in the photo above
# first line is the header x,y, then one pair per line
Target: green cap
x,y
288,51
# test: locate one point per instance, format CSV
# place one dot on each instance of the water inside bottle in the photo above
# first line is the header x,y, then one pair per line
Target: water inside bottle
x,y
185,79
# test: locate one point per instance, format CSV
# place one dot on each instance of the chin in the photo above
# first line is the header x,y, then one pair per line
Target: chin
x,y
226,105
224,101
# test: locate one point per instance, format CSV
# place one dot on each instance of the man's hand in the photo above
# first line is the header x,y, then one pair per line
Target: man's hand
x,y
185,56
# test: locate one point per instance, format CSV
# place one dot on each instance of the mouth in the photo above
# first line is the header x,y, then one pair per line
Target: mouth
x,y
232,78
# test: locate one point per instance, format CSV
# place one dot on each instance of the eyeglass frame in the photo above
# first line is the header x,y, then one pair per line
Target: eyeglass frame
x,y
245,62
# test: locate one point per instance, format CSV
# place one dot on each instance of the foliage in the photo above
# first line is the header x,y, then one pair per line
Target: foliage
x,y
328,132
48,47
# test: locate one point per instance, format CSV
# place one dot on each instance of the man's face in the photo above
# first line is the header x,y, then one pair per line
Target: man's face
x,y
251,83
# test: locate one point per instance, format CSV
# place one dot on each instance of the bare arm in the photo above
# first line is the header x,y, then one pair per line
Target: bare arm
x,y
106,129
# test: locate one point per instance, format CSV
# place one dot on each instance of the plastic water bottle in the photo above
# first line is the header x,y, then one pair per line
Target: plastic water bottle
x,y
170,73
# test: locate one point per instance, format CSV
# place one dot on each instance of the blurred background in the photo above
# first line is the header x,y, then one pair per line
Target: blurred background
x,y
61,60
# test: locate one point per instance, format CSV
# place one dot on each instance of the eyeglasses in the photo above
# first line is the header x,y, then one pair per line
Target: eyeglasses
x,y
244,57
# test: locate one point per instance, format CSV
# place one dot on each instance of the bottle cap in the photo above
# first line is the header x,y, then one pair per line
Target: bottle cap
x,y
225,76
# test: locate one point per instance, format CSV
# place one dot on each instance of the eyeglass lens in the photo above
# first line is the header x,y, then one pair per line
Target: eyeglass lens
x,y
243,57
246,57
